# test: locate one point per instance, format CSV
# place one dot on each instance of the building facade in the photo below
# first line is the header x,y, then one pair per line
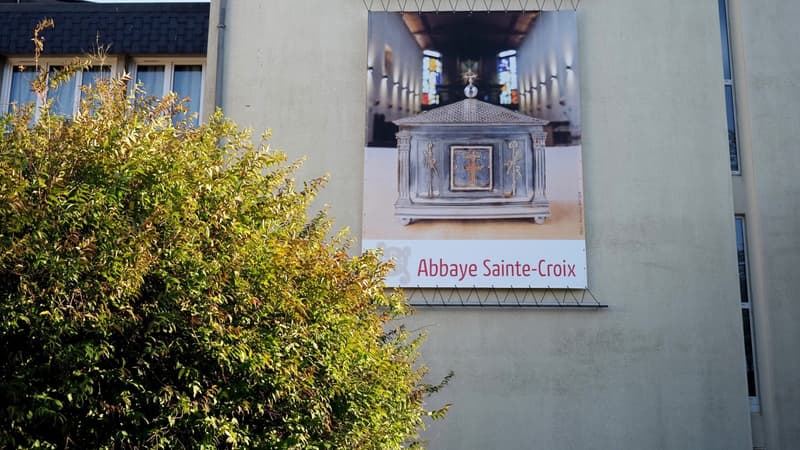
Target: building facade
x,y
688,128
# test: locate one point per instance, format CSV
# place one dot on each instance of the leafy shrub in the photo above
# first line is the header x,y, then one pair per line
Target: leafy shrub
x,y
162,286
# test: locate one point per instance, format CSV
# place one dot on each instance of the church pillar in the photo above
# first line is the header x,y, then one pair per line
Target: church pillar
x,y
539,181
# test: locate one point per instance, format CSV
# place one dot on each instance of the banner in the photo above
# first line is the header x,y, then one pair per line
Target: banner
x,y
472,167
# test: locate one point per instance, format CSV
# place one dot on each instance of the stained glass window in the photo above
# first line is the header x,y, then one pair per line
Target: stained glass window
x,y
431,77
507,77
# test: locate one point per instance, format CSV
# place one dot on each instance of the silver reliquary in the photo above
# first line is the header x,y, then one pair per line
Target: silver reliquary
x,y
471,160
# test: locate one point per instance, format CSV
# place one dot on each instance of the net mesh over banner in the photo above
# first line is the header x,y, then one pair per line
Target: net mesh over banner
x,y
387,74
470,5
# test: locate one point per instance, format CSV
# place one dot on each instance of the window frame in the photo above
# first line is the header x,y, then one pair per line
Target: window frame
x,y
44,62
739,221
729,81
169,63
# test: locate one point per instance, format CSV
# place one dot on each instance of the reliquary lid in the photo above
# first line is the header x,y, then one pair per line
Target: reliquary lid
x,y
470,111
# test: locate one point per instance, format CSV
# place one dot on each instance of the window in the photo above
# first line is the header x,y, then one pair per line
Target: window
x,y
730,103
183,77
431,77
16,87
507,77
747,313
19,79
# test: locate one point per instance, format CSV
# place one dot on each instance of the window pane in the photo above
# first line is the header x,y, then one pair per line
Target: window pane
x,y
732,147
723,30
742,260
152,79
187,84
748,353
507,77
21,79
94,73
63,96
91,76
431,78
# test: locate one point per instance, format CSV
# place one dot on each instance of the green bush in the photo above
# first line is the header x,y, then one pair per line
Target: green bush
x,y
162,286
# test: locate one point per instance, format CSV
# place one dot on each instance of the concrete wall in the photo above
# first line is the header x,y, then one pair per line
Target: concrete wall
x,y
767,81
663,366
299,68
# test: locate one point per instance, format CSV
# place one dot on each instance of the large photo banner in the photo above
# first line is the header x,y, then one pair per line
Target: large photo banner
x,y
472,167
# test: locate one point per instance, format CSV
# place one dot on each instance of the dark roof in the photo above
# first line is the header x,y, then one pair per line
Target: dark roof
x,y
132,28
470,112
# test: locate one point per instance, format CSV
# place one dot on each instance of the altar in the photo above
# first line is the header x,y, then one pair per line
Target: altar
x,y
471,160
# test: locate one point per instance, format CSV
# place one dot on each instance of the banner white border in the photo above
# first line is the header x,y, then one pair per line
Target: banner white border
x,y
485,263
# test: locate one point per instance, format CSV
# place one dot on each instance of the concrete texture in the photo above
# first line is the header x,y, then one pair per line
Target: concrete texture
x,y
767,81
663,367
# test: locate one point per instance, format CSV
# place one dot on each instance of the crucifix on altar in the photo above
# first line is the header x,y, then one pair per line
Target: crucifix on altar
x,y
471,168
470,90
